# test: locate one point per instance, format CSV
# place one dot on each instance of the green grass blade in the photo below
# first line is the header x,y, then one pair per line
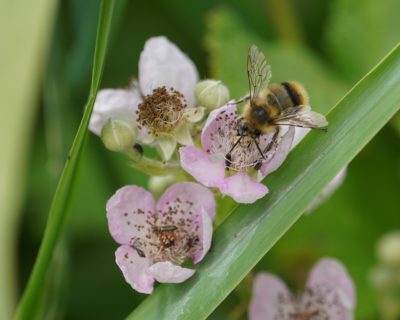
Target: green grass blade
x,y
250,231
30,300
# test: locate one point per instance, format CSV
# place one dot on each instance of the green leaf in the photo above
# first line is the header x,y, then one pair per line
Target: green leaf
x,y
29,303
250,231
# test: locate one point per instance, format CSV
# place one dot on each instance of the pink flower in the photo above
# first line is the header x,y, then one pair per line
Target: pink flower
x,y
156,238
329,294
210,164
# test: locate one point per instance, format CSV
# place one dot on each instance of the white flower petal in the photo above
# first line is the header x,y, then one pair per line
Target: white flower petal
x,y
114,104
163,64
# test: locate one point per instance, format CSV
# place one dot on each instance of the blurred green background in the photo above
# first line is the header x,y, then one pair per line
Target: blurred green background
x,y
327,45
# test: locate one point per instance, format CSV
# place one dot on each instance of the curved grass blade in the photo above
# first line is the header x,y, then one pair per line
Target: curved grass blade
x,y
250,231
30,300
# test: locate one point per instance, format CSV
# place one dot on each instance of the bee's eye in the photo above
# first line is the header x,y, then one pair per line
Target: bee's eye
x,y
260,113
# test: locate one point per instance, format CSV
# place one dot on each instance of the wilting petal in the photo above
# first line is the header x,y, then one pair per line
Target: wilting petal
x,y
328,190
194,114
330,274
167,146
167,272
127,211
188,197
183,135
280,153
205,236
135,269
114,104
198,164
268,291
243,189
299,135
163,64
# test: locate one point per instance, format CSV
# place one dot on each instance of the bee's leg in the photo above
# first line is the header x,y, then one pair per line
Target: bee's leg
x,y
258,165
258,148
244,99
274,141
228,161
228,156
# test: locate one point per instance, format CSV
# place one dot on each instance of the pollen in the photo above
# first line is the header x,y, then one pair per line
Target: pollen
x,y
162,110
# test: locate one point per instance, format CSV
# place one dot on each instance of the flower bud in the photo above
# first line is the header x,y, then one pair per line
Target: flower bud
x,y
389,249
211,94
119,135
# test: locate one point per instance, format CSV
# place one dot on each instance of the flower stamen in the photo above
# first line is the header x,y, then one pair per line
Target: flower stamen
x,y
162,110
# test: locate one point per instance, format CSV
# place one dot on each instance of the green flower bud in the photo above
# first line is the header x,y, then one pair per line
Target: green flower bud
x,y
119,135
211,94
389,249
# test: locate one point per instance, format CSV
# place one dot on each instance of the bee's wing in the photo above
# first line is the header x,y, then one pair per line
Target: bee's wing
x,y
258,71
302,116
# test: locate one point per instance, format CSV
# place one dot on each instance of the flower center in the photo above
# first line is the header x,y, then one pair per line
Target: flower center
x,y
317,303
162,110
171,233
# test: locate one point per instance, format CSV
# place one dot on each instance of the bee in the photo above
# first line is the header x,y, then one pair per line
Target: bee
x,y
268,107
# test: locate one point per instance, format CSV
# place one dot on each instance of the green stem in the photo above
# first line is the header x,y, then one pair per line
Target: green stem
x,y
152,167
30,301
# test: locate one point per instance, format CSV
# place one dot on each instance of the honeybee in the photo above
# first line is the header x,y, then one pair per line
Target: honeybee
x,y
267,107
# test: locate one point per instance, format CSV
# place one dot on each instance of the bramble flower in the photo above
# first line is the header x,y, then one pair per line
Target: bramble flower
x,y
234,177
156,238
329,294
161,103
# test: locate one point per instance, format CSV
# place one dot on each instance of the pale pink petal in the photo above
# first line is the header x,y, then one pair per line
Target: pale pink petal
x,y
163,64
268,292
189,198
216,121
205,236
328,190
198,164
299,135
114,104
243,189
331,274
135,269
127,211
167,272
279,154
